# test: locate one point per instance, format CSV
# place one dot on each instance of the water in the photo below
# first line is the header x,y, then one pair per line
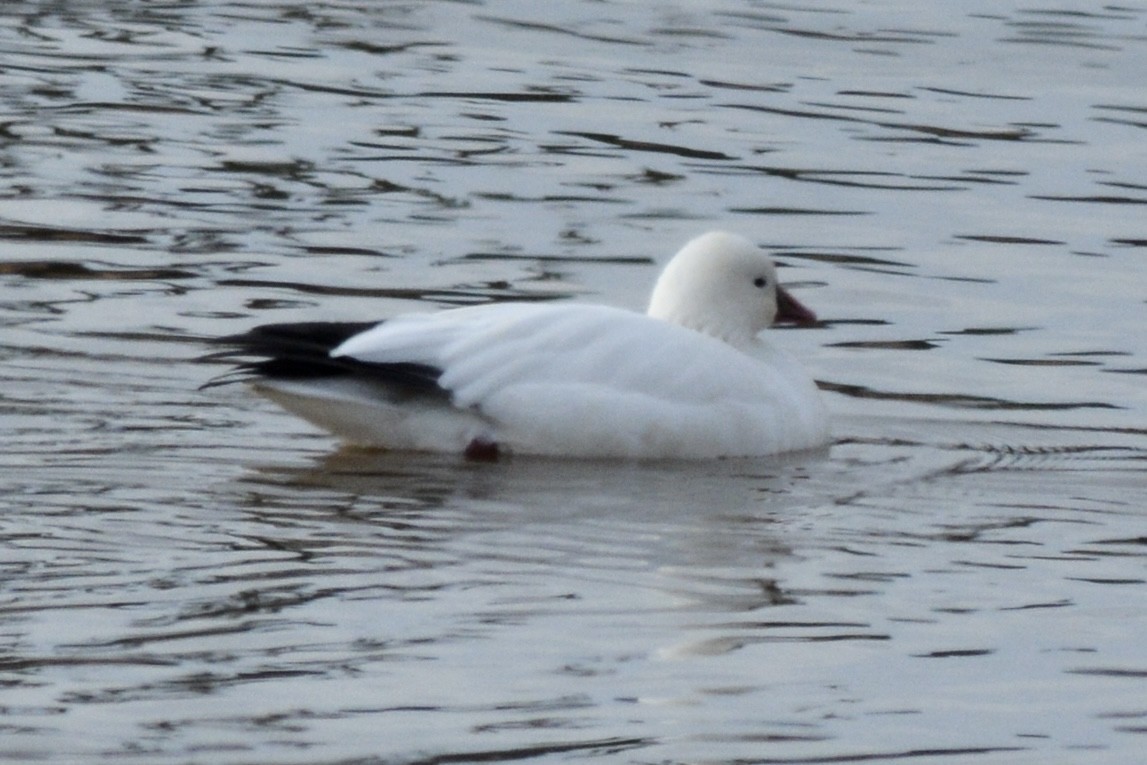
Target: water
x,y
196,577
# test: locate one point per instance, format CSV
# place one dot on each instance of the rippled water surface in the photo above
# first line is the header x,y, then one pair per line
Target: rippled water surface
x,y
959,189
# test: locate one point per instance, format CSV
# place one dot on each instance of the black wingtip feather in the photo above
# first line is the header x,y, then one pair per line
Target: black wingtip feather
x,y
302,351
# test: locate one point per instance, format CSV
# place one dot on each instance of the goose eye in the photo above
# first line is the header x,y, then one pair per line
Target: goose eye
x,y
760,282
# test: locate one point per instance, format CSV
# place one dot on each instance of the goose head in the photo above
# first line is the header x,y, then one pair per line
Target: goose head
x,y
723,285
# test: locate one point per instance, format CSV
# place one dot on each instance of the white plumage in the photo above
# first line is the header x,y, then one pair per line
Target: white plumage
x,y
689,379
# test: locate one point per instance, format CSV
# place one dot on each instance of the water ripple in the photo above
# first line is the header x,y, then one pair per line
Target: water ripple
x,y
194,576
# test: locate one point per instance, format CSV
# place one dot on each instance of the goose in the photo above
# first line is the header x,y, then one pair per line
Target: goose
x,y
691,378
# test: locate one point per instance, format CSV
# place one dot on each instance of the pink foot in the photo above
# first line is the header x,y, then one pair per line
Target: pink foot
x,y
481,450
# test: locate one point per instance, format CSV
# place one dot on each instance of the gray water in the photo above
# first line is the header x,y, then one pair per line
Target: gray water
x,y
193,576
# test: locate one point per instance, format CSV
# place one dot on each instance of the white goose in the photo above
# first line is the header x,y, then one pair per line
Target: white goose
x,y
691,378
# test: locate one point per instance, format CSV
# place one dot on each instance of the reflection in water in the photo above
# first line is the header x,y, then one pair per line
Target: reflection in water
x,y
193,577
574,507
386,590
